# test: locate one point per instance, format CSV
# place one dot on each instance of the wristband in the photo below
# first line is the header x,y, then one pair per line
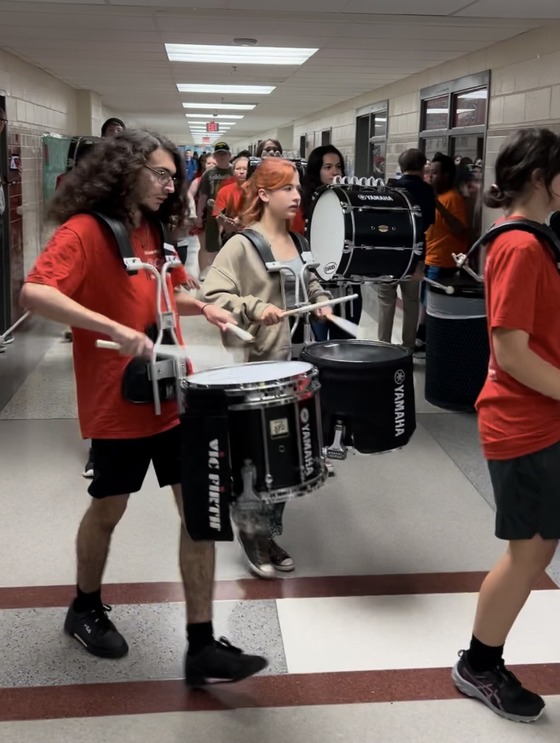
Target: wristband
x,y
206,304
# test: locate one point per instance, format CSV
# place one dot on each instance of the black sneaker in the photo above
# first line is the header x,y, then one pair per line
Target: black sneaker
x,y
280,559
88,469
95,631
221,662
498,689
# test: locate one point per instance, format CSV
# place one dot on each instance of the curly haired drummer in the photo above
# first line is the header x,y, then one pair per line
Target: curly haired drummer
x,y
240,282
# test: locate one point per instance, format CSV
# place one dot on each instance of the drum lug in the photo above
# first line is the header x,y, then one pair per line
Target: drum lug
x,y
337,450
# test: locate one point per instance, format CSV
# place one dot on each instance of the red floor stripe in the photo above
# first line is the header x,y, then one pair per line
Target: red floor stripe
x,y
34,597
148,697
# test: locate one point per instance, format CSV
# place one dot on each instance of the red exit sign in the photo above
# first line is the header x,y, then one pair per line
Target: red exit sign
x,y
212,126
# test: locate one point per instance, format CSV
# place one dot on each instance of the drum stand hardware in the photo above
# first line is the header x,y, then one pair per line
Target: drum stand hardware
x,y
176,366
461,261
337,450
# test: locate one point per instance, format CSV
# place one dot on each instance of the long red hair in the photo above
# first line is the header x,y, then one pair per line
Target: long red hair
x,y
273,173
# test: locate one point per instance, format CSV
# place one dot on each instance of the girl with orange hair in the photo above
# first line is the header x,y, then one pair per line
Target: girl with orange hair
x,y
239,281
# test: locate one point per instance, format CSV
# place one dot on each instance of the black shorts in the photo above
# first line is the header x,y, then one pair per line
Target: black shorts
x,y
120,465
527,493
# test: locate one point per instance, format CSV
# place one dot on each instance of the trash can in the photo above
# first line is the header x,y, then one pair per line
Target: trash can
x,y
457,348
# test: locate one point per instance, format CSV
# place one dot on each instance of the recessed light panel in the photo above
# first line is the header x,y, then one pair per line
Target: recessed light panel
x,y
221,106
225,89
234,55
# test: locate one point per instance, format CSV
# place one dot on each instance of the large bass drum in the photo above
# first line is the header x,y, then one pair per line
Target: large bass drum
x,y
359,233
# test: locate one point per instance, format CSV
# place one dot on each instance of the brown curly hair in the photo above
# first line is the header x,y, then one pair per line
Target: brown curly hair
x,y
106,180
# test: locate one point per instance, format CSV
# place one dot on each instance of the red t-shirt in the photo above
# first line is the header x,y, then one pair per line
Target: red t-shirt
x,y
83,262
522,293
298,223
228,200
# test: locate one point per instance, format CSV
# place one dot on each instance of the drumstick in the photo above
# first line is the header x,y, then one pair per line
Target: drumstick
x,y
168,351
239,332
349,327
318,305
175,352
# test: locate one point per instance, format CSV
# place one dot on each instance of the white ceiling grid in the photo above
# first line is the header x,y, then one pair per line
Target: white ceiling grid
x,y
116,48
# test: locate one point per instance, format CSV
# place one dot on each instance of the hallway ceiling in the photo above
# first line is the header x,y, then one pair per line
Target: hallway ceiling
x,y
116,48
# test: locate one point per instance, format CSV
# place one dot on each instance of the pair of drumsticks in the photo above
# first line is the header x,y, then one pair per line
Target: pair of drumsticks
x,y
178,352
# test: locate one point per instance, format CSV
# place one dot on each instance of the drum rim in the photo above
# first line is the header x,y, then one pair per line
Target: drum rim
x,y
247,386
406,353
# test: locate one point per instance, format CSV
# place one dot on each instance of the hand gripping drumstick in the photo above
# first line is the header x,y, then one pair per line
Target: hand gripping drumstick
x,y
318,305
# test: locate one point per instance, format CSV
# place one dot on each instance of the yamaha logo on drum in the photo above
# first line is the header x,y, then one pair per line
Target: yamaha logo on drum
x,y
307,445
374,197
400,414
330,268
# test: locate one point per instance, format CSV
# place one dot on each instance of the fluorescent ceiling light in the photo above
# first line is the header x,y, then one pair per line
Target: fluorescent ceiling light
x,y
222,106
227,89
213,117
237,55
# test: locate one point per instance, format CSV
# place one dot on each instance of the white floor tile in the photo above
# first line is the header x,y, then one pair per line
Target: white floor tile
x,y
455,721
388,632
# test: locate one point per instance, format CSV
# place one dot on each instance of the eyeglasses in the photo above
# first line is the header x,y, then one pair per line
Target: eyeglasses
x,y
163,176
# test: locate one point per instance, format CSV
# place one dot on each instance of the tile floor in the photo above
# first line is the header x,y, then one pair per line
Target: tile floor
x,y
389,555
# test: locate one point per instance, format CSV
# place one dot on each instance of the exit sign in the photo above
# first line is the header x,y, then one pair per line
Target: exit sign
x,y
206,140
212,126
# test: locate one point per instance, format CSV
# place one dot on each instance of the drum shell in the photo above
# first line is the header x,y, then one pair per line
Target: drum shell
x,y
375,399
457,348
276,426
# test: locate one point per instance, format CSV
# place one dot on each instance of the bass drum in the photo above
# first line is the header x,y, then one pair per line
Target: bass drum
x,y
364,233
368,387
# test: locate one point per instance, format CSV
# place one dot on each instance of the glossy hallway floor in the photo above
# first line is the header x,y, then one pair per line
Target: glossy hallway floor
x,y
390,554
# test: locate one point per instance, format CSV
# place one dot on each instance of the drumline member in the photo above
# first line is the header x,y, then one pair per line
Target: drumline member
x,y
325,163
239,282
411,163
519,415
229,199
79,279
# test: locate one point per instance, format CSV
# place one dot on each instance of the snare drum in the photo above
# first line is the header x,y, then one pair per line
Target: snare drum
x,y
367,395
364,233
274,426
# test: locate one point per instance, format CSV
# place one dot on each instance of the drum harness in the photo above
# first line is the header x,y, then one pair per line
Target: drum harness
x,y
263,248
168,369
545,233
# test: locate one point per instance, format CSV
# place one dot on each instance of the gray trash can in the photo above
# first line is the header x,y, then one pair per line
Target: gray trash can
x,y
457,348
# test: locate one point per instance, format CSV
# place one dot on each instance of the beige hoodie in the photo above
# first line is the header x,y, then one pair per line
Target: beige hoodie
x,y
239,282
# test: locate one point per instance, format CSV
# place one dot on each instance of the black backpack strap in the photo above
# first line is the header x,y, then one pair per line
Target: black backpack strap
x,y
541,231
265,251
126,251
262,247
122,238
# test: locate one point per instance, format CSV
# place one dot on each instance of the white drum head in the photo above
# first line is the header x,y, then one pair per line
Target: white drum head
x,y
252,373
326,233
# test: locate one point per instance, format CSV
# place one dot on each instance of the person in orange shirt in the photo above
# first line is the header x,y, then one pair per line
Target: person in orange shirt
x,y
229,199
450,232
519,415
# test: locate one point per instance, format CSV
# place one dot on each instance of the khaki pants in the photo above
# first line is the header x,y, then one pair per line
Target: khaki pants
x,y
387,300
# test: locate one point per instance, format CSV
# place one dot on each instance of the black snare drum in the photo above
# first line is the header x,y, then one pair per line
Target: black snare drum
x,y
364,233
367,390
273,422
